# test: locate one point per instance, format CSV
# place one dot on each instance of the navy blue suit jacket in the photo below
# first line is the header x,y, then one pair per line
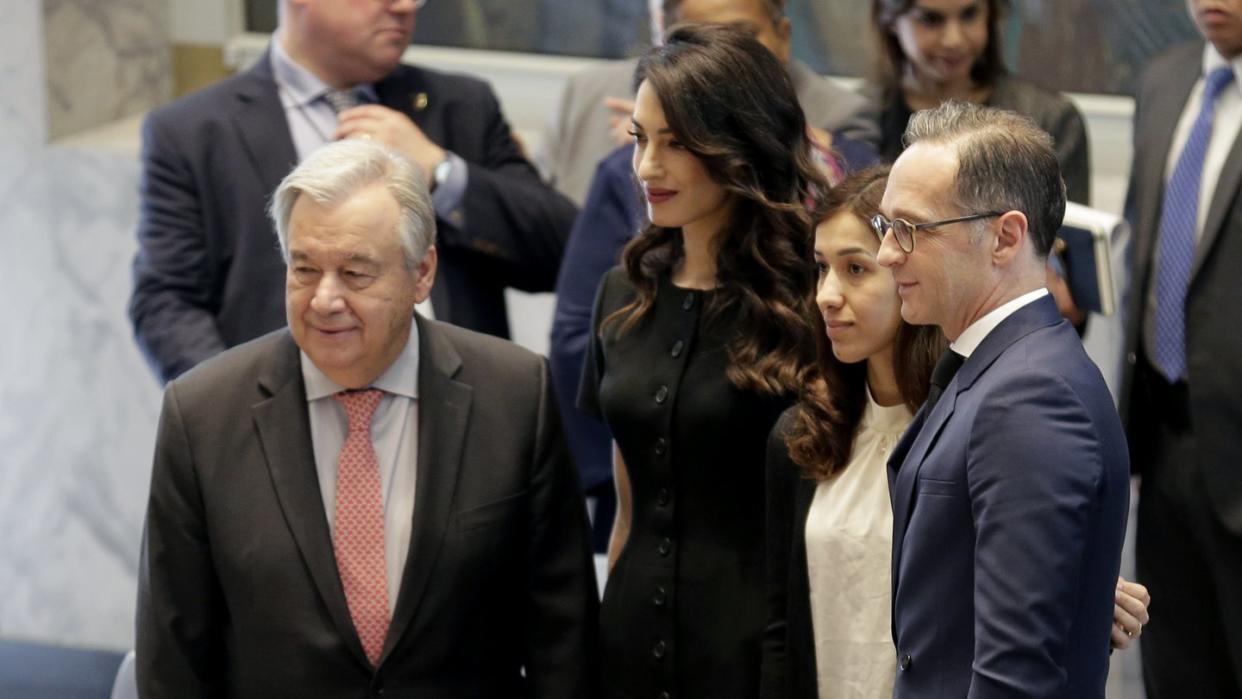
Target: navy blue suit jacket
x,y
1009,509
208,274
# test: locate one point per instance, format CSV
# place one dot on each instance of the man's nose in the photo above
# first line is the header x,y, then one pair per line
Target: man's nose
x,y
891,253
328,296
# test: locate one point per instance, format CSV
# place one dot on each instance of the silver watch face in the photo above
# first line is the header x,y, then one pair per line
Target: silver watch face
x,y
441,173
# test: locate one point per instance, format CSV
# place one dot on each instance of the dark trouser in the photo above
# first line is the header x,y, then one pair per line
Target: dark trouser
x,y
1193,567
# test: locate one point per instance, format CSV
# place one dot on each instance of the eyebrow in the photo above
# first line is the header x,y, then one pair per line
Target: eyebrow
x,y
640,127
854,251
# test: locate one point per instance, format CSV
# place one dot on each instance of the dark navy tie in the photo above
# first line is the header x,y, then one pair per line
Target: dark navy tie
x,y
1179,218
946,369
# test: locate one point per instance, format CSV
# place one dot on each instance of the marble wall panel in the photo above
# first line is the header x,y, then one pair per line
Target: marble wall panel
x,y
106,59
77,405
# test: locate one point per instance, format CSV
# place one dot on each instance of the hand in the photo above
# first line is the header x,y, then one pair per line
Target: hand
x,y
1061,292
1129,613
619,113
394,130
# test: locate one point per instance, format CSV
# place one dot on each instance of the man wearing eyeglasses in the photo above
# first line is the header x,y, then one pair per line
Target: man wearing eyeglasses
x,y
1011,487
207,276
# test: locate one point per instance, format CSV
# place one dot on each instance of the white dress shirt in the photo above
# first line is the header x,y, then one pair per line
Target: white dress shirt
x,y
394,435
1225,126
969,340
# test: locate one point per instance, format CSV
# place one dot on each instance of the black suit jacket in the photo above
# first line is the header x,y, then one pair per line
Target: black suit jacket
x,y
1213,300
789,667
208,273
239,593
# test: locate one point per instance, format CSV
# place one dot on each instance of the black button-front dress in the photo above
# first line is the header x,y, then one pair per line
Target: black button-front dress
x,y
684,608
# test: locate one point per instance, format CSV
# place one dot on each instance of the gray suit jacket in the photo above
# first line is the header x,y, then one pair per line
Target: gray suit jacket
x,y
1213,309
239,593
577,136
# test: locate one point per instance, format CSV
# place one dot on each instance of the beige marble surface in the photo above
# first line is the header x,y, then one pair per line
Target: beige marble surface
x,y
106,59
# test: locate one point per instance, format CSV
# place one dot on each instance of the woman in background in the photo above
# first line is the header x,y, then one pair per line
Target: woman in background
x,y
829,517
931,51
702,338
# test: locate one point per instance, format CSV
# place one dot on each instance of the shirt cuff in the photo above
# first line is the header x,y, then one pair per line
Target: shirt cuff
x,y
448,195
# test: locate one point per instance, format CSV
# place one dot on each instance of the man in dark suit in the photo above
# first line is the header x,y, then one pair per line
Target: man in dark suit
x,y
1010,488
207,277
1182,392
368,501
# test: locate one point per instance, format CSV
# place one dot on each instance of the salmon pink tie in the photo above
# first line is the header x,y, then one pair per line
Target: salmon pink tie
x,y
359,540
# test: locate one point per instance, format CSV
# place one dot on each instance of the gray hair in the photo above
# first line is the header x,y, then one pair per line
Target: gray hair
x,y
1005,163
337,170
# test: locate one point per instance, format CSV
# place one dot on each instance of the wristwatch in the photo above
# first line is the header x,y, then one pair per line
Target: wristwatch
x,y
441,172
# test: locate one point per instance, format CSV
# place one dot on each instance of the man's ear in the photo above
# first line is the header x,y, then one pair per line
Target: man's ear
x,y
425,274
1011,236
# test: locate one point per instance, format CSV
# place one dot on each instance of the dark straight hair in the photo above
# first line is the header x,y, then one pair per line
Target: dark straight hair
x,y
829,408
891,61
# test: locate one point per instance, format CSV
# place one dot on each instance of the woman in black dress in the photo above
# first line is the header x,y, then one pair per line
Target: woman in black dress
x,y
701,340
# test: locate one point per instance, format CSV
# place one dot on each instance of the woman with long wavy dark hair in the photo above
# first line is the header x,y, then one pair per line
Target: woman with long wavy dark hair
x,y
702,338
829,517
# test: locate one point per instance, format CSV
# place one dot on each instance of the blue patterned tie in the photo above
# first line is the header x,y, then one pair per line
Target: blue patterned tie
x,y
1179,217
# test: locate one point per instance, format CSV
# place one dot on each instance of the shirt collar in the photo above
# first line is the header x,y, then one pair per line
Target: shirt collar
x,y
302,86
1213,60
973,335
400,378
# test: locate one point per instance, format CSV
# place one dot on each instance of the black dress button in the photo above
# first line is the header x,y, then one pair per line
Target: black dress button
x,y
663,497
677,348
688,303
665,695
658,649
904,663
660,596
665,547
661,446
661,394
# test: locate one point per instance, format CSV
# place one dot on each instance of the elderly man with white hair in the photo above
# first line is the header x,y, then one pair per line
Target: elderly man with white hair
x,y
368,501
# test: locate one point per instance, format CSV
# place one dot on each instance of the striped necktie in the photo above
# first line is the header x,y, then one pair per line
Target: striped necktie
x,y
1179,217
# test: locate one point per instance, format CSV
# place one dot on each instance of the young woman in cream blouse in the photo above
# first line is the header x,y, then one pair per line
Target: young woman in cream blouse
x,y
829,518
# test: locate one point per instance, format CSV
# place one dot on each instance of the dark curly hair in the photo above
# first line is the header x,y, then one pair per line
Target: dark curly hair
x,y
731,104
821,435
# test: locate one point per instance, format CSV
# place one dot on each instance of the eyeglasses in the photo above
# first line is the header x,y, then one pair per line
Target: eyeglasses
x,y
903,230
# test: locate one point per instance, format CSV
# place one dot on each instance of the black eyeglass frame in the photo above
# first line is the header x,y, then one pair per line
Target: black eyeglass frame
x,y
881,225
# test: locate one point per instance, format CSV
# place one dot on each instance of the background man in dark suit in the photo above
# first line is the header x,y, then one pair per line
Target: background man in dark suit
x,y
1011,487
207,275
368,501
1183,390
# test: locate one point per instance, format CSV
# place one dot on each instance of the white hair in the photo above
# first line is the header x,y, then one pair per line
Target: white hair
x,y
337,170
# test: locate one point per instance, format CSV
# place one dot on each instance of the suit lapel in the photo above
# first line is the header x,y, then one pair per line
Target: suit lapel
x,y
443,415
262,127
283,424
406,90
1222,201
1167,111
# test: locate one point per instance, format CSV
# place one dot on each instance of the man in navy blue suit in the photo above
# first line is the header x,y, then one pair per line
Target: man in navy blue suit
x,y
208,274
1011,487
